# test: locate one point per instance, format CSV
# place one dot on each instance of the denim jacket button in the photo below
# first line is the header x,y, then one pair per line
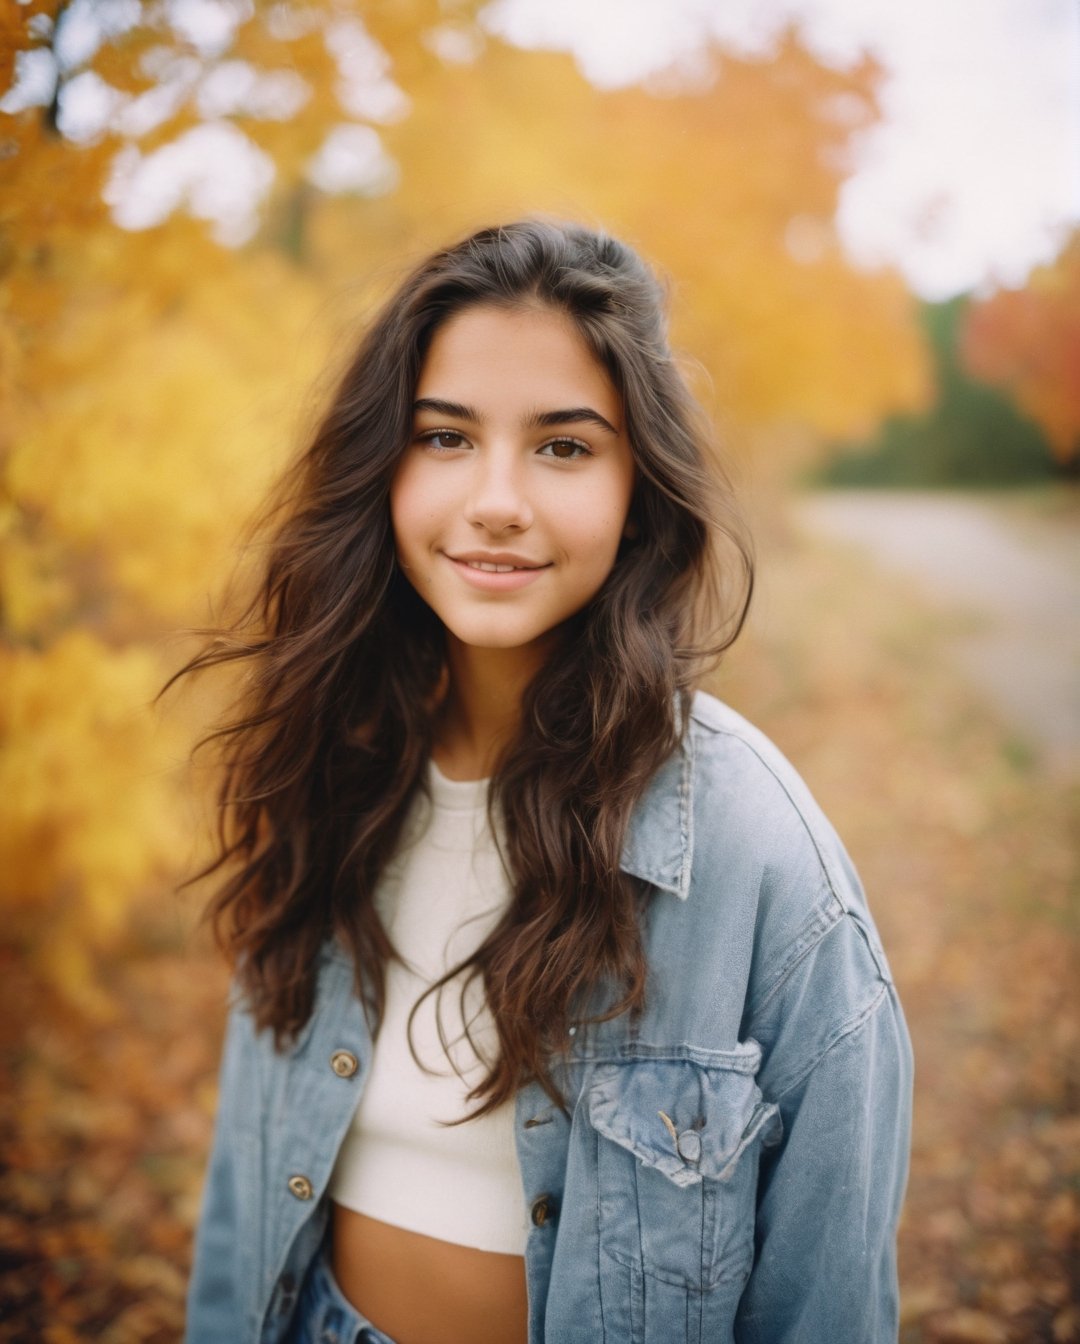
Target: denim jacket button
x,y
344,1063
689,1145
301,1187
542,1209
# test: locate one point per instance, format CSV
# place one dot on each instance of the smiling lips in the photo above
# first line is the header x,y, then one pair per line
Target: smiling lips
x,y
496,572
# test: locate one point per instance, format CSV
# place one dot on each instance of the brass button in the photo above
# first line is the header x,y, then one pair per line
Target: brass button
x,y
344,1063
301,1187
543,1208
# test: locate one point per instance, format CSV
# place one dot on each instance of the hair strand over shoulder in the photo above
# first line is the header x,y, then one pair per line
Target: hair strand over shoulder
x,y
328,744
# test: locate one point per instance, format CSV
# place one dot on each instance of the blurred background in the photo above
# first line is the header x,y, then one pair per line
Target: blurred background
x,y
869,218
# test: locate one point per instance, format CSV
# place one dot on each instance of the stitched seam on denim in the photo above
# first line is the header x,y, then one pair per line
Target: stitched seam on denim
x,y
810,936
631,1053
599,1238
802,951
745,1059
876,951
637,1206
843,1033
686,816
787,967
709,1257
738,737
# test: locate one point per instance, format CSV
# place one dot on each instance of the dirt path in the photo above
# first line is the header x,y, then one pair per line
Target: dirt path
x,y
1008,566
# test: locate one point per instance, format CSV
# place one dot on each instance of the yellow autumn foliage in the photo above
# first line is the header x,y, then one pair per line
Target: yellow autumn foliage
x,y
150,471
153,383
91,816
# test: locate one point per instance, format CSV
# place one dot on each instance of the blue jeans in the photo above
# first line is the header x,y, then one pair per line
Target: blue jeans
x,y
325,1316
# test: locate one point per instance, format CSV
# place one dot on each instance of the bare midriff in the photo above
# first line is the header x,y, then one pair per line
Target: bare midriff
x,y
421,1290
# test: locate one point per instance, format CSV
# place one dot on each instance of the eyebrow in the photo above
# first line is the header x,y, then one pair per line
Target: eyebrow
x,y
571,415
453,409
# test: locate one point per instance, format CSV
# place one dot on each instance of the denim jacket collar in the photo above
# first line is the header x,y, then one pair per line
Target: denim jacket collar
x,y
659,844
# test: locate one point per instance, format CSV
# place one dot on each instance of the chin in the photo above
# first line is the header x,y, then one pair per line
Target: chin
x,y
500,641
499,636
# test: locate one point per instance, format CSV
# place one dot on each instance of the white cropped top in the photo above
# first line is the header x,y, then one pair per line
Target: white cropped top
x,y
439,898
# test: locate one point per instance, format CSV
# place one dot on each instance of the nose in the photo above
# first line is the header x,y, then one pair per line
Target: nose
x,y
498,498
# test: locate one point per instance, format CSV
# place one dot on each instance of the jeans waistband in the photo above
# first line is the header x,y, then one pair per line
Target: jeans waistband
x,y
324,1315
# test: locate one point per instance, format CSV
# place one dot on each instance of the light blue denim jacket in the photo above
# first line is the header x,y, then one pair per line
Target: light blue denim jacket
x,y
733,1163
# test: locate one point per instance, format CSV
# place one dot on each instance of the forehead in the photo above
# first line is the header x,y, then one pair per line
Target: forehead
x,y
531,355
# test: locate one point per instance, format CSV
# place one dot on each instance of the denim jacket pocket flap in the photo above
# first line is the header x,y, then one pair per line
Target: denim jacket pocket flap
x,y
685,1119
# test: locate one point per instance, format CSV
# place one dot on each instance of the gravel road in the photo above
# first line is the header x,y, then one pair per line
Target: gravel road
x,y
1009,568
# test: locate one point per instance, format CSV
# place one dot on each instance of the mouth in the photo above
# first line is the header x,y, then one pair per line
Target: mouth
x,y
501,573
488,567
497,563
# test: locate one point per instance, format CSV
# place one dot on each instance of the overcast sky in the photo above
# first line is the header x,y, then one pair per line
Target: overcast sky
x,y
974,174
972,177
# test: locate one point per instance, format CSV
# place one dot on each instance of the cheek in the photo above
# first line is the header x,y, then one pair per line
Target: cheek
x,y
596,523
411,509
593,549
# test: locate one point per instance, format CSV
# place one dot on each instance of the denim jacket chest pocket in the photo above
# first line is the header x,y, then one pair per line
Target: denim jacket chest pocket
x,y
678,1144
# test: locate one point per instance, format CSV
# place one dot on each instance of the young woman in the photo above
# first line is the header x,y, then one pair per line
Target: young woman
x,y
559,1012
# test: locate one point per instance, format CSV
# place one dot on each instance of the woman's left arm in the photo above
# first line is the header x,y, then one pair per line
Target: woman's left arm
x,y
830,1193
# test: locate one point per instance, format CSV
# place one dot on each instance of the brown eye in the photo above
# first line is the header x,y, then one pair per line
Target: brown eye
x,y
566,450
444,438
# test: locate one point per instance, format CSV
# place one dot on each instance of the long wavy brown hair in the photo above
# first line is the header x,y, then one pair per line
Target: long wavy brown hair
x,y
323,754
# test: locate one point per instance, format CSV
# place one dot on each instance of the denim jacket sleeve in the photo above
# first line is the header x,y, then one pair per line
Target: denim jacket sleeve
x,y
829,1194
837,1062
214,1306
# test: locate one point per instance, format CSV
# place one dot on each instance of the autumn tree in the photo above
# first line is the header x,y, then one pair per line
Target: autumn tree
x,y
971,434
185,214
1028,342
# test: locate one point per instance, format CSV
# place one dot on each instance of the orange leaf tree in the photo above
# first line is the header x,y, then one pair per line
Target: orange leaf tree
x,y
1028,341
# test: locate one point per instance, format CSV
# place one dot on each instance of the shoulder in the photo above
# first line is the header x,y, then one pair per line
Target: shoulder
x,y
735,765
774,884
765,853
758,926
728,796
753,807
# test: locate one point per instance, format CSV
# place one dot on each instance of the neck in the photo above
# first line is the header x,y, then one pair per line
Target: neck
x,y
482,708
